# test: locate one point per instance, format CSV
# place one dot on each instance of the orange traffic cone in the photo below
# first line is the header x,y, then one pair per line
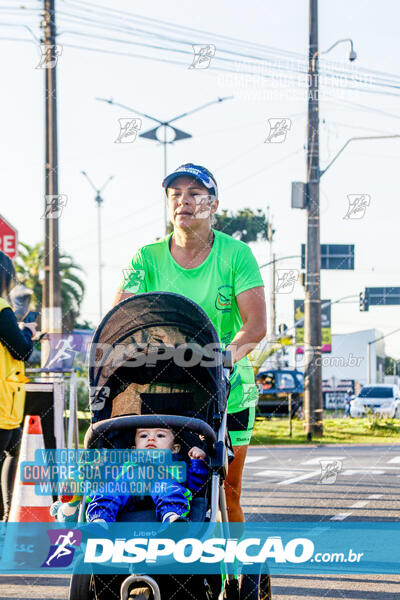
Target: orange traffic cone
x,y
26,506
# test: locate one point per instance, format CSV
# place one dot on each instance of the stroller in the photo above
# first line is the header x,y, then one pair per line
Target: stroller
x,y
191,400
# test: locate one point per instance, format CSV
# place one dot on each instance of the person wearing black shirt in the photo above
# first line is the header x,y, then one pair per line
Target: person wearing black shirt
x,y
15,347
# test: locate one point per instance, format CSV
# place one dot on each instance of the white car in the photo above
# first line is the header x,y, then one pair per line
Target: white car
x,y
381,398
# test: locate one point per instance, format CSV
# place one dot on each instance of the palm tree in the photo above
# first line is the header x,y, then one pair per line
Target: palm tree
x,y
29,268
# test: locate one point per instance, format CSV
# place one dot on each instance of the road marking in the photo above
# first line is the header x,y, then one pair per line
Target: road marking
x,y
272,473
395,459
252,459
316,461
340,516
300,478
360,504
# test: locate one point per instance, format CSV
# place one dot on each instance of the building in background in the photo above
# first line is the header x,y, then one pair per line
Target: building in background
x,y
349,357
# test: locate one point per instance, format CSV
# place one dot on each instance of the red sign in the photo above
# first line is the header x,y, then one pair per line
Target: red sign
x,y
8,238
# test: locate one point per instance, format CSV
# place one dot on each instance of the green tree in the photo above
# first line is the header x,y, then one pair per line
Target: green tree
x,y
390,366
29,268
246,225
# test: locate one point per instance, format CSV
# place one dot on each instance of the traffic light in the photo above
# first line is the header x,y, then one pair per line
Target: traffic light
x,y
364,305
282,328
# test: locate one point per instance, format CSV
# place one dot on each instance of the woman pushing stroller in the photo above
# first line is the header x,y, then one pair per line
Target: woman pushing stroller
x,y
221,275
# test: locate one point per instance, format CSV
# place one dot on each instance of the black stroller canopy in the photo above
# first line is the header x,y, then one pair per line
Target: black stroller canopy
x,y
129,344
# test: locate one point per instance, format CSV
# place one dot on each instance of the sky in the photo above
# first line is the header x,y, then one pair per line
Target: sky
x,y
228,137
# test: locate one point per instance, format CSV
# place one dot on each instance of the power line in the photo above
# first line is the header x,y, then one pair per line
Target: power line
x,y
166,25
181,29
282,67
114,17
219,69
364,107
336,73
265,168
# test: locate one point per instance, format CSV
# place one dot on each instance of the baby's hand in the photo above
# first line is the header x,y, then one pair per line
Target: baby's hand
x,y
196,453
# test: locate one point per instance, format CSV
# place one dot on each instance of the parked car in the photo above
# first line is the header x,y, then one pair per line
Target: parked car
x,y
379,398
274,387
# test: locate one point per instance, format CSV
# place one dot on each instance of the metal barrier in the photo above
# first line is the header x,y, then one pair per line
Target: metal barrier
x,y
55,383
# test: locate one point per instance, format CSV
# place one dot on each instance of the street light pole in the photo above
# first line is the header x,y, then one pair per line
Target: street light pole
x,y
99,201
357,139
312,304
164,126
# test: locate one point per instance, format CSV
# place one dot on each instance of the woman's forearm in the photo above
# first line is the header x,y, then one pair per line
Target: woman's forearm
x,y
246,340
18,342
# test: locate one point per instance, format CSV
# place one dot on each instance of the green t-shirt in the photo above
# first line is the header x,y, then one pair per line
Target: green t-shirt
x,y
229,269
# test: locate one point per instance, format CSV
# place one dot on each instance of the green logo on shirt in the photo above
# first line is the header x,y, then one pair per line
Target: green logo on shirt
x,y
223,300
133,279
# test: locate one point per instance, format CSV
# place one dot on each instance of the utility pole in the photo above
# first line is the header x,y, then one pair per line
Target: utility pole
x,y
273,303
273,310
312,304
271,261
51,303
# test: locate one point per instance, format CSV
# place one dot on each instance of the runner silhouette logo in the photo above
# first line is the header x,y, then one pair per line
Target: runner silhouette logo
x,y
61,552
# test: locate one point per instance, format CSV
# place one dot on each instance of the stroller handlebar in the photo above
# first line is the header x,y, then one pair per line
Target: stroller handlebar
x,y
129,422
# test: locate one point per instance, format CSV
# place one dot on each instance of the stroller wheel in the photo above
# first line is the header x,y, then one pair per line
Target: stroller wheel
x,y
82,587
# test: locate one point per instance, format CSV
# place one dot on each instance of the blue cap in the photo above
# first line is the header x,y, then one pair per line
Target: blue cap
x,y
202,175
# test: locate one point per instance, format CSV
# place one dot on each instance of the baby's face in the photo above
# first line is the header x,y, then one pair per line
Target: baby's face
x,y
160,439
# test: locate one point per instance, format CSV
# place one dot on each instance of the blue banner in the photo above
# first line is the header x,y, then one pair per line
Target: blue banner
x,y
179,548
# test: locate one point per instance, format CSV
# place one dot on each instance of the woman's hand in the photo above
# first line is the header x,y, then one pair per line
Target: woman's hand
x,y
196,453
31,326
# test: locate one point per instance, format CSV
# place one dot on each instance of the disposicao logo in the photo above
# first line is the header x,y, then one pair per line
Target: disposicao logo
x,y
60,553
192,550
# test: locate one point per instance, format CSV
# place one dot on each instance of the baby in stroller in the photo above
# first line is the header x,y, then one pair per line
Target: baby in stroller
x,y
172,503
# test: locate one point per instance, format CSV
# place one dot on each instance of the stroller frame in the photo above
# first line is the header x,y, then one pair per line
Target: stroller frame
x,y
158,310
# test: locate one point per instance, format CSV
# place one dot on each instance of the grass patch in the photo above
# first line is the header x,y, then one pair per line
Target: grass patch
x,y
336,431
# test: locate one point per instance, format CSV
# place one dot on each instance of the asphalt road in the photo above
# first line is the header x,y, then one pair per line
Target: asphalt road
x,y
284,484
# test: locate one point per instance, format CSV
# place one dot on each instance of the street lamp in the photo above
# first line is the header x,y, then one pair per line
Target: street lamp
x,y
160,133
99,201
356,139
352,55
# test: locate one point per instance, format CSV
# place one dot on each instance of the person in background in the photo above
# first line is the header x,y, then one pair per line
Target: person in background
x,y
15,347
348,398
